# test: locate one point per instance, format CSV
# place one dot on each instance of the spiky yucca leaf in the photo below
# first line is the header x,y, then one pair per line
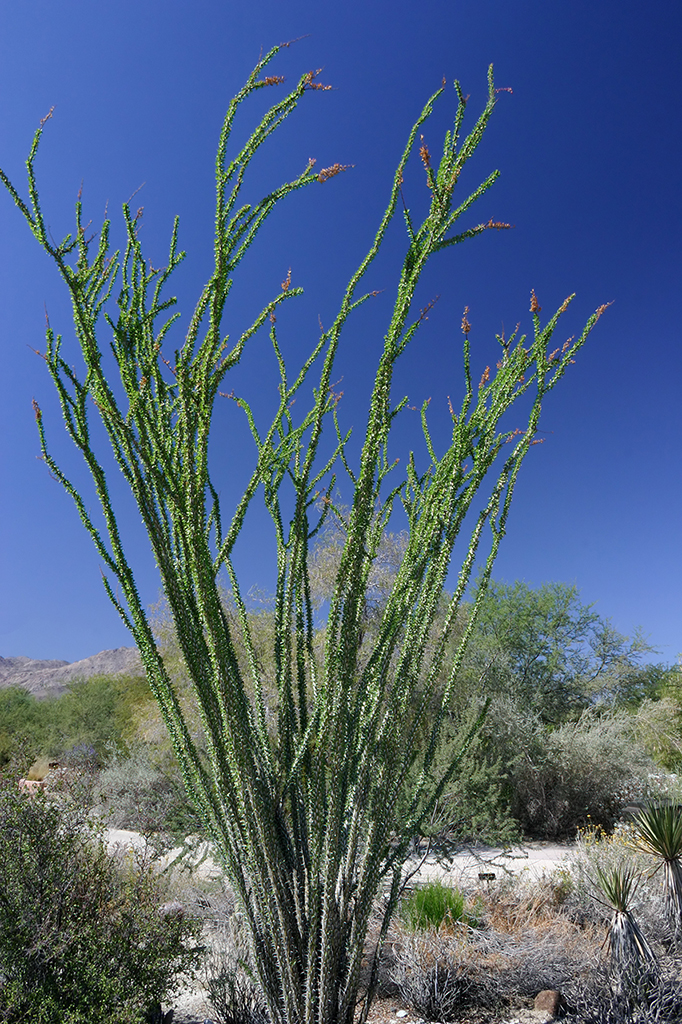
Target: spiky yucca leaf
x,y
619,886
632,958
658,831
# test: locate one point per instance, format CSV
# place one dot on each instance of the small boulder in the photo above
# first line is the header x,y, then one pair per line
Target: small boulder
x,y
549,1001
31,786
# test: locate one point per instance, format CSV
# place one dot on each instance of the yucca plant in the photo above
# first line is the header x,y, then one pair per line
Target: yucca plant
x,y
632,958
658,831
301,800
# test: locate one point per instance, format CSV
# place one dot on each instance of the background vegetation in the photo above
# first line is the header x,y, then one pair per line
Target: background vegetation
x,y
581,724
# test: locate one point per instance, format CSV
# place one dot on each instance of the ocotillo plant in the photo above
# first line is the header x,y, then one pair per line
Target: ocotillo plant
x,y
303,811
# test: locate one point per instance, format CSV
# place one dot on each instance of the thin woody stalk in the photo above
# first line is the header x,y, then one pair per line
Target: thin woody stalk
x,y
304,811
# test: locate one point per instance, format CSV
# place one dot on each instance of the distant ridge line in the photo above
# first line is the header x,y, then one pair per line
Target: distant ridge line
x,y
44,678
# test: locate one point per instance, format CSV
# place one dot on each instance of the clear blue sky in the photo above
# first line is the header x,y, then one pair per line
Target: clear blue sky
x,y
589,150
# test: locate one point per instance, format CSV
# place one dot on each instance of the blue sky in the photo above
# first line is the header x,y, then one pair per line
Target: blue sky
x,y
589,149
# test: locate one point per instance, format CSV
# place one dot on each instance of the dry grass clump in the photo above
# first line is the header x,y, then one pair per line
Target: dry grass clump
x,y
518,903
598,1001
524,944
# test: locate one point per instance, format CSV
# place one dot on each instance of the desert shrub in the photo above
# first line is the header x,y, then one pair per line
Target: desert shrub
x,y
228,977
20,730
234,997
583,771
432,905
83,939
474,806
440,991
86,714
439,976
143,790
593,999
540,958
658,725
95,712
71,777
600,853
575,722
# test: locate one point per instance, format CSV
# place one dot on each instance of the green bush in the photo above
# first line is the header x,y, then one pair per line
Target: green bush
x,y
21,732
432,905
584,771
83,939
473,807
96,712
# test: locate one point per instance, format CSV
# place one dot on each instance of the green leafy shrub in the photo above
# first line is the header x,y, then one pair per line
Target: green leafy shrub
x,y
20,730
583,771
658,726
474,806
83,939
96,712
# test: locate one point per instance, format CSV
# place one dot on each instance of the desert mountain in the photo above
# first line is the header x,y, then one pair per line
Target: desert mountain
x,y
51,678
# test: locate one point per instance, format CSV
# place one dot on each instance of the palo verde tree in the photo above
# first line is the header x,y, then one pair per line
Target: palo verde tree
x,y
304,810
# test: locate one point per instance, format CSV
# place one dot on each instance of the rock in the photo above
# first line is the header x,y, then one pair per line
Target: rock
x,y
549,1001
31,786
122,841
172,909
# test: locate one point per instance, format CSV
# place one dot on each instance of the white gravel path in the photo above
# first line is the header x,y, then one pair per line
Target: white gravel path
x,y
533,859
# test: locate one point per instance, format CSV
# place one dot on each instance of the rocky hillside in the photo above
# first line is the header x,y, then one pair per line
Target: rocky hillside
x,y
51,678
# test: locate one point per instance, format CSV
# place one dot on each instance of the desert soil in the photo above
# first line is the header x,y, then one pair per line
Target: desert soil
x,y
465,868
